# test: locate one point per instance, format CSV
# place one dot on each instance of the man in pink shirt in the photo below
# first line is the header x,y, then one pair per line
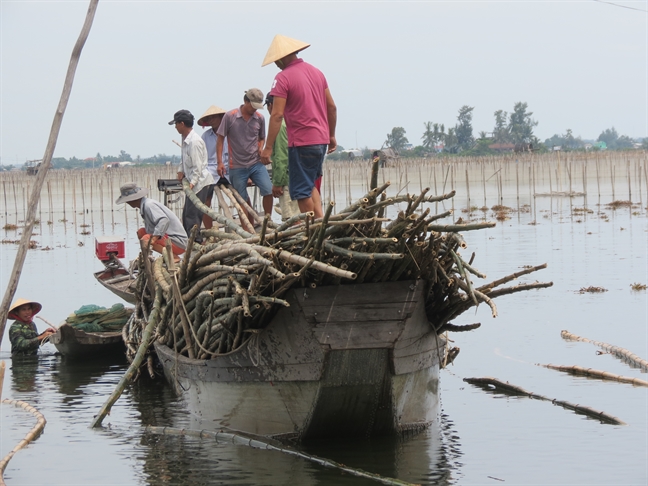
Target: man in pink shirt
x,y
301,94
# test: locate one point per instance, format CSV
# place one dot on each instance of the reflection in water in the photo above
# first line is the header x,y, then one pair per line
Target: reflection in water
x,y
510,440
427,457
23,373
73,375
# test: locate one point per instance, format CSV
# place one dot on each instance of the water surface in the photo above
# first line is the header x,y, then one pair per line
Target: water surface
x,y
480,438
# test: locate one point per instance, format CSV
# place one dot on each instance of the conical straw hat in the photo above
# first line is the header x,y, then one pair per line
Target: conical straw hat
x,y
36,307
212,110
282,46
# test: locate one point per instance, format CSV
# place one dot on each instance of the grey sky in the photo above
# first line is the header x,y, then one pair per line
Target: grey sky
x,y
578,64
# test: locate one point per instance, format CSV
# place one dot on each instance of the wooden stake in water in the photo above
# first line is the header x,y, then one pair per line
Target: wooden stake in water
x,y
112,207
517,184
629,182
467,190
74,208
101,203
49,201
598,180
91,198
64,204
483,171
13,183
83,208
4,189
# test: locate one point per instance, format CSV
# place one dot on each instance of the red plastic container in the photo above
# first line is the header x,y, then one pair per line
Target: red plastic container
x,y
107,245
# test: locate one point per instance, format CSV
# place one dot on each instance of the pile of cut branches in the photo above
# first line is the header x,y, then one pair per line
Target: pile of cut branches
x,y
229,288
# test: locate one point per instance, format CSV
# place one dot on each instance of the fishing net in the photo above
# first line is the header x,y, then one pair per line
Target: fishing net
x,y
94,318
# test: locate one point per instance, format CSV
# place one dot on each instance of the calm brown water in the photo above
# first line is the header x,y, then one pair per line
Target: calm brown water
x,y
480,437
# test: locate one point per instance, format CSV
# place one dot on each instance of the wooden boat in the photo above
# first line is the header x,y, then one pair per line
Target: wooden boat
x,y
352,360
77,343
118,280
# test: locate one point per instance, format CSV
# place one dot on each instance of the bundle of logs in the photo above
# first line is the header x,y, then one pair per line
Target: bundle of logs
x,y
228,288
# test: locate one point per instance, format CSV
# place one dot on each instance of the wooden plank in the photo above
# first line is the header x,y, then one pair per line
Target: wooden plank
x,y
343,295
359,335
363,312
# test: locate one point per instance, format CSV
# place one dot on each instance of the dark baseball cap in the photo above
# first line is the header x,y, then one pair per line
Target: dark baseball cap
x,y
182,116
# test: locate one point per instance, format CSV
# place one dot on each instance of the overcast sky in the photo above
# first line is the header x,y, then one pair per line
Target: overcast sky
x,y
578,64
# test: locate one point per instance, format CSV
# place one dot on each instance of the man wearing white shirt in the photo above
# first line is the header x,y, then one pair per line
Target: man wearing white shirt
x,y
193,167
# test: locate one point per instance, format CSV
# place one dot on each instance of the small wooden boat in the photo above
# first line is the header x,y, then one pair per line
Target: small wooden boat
x,y
118,280
77,343
343,360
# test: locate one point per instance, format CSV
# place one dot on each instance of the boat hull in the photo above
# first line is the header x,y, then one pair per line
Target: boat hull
x,y
73,342
119,282
354,360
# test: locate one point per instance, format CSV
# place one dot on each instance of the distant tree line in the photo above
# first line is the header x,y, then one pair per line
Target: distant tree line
x,y
99,160
512,131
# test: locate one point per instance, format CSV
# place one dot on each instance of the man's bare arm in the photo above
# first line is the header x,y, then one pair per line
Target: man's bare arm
x,y
331,112
274,125
220,167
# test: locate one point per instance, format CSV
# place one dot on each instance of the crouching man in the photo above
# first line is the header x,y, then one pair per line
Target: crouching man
x,y
160,223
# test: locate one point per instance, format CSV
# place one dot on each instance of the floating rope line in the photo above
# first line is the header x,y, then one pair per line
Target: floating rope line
x,y
622,353
603,375
257,442
31,435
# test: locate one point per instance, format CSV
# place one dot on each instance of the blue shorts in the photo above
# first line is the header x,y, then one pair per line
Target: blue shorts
x,y
259,175
304,166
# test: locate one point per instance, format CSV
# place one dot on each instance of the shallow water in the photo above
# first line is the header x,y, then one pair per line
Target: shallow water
x,y
480,438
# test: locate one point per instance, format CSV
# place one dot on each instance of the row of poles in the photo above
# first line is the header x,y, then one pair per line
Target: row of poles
x,y
87,197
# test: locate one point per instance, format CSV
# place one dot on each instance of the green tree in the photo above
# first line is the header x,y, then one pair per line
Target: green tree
x,y
614,141
521,124
624,142
451,142
644,144
124,157
609,136
396,139
428,136
500,131
433,135
463,129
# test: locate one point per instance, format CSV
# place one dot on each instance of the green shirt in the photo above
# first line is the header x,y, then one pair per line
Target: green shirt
x,y
24,338
280,158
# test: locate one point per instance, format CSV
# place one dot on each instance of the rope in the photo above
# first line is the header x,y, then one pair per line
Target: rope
x,y
257,442
31,435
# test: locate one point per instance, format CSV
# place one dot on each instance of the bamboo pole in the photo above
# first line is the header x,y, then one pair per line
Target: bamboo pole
x,y
45,165
488,382
147,335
